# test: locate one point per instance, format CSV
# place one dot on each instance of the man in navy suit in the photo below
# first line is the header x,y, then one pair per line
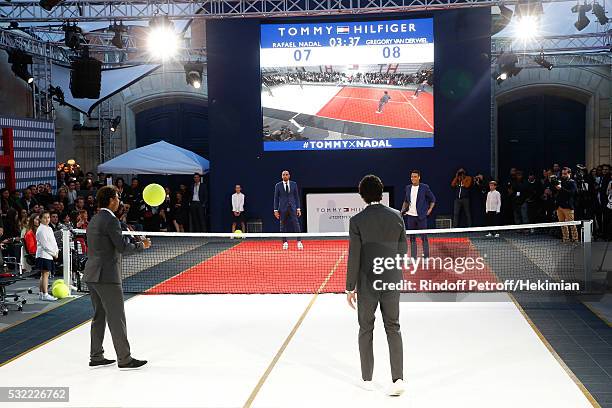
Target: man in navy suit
x,y
419,201
287,207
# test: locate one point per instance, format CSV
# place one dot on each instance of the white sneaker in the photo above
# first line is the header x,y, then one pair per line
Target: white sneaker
x,y
367,385
396,389
489,235
300,246
49,298
285,245
40,296
496,235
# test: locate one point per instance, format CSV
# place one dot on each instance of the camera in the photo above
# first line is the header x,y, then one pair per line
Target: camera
x,y
554,181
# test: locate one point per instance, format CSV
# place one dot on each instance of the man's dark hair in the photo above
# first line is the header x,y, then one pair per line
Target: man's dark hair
x,y
53,212
371,188
415,172
567,169
105,195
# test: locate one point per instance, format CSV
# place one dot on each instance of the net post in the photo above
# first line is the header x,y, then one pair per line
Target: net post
x,y
587,237
67,259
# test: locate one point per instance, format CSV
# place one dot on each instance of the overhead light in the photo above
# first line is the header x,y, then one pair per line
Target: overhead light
x,y
56,91
506,67
193,74
543,62
73,36
114,125
119,30
162,41
49,4
583,20
600,13
19,65
527,27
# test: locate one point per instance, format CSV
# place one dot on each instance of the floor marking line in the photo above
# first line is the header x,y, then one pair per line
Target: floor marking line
x,y
297,325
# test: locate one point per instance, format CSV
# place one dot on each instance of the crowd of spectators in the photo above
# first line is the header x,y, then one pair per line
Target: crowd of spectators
x,y
556,194
378,78
73,203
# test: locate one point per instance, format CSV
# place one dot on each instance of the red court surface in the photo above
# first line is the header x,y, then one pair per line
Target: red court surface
x,y
402,111
263,267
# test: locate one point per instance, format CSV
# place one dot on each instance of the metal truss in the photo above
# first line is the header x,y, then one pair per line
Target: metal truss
x,y
107,10
601,41
48,44
561,60
10,39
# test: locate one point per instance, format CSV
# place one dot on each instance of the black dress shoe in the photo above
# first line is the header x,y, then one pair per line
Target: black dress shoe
x,y
101,363
133,365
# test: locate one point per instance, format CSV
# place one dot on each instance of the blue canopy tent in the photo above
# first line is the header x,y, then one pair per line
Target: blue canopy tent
x,y
156,158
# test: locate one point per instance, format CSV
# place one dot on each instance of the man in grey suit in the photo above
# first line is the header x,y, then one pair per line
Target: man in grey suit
x,y
103,277
374,233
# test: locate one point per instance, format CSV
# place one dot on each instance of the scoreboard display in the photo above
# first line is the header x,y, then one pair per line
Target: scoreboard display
x,y
387,42
347,85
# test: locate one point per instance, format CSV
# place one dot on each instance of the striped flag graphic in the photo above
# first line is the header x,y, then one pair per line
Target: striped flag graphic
x,y
342,30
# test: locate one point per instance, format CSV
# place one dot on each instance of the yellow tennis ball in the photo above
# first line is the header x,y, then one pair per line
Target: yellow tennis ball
x,y
238,232
57,282
154,194
60,291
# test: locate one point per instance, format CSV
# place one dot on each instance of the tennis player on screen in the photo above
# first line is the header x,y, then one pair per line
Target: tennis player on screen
x,y
377,232
383,101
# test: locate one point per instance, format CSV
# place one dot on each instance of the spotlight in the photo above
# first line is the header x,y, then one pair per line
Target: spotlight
x,y
543,62
58,93
600,13
527,27
118,29
114,125
506,67
583,20
162,41
193,74
49,4
20,62
73,37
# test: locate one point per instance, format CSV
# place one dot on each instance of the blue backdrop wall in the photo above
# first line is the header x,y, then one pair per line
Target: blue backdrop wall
x,y
462,122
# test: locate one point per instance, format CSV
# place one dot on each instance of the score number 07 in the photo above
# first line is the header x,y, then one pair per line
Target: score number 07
x,y
301,55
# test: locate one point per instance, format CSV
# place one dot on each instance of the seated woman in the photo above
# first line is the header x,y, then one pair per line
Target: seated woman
x,y
46,252
29,239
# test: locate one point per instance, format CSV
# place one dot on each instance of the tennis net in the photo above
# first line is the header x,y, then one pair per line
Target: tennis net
x,y
510,258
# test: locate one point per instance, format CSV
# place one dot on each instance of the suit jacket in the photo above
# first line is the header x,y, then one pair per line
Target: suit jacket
x,y
424,198
376,231
284,202
105,246
202,194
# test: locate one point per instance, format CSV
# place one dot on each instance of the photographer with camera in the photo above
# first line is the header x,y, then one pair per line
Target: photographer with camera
x,y
462,183
547,199
565,192
583,201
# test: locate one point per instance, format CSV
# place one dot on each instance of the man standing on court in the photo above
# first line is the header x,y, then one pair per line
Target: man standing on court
x,y
103,277
419,201
287,207
377,232
383,101
197,207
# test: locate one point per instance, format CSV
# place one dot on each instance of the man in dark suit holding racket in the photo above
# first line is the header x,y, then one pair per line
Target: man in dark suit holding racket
x,y
376,233
287,207
103,277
